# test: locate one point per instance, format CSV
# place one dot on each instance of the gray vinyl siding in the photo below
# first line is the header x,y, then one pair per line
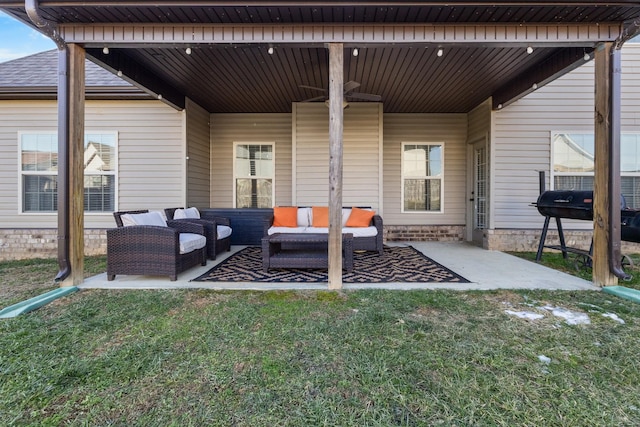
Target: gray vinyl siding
x,y
198,155
361,155
259,128
522,136
150,155
451,129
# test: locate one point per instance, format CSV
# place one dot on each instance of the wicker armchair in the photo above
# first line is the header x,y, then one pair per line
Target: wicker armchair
x,y
215,244
150,249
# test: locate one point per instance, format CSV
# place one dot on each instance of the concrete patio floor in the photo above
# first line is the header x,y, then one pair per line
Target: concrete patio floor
x,y
484,269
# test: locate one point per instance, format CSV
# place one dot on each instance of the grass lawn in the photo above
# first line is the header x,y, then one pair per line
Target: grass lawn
x,y
315,358
578,265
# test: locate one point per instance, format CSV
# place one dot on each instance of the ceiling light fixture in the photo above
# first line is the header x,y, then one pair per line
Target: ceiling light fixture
x,y
355,51
270,50
499,106
440,52
105,50
188,51
119,73
586,56
534,86
529,50
159,96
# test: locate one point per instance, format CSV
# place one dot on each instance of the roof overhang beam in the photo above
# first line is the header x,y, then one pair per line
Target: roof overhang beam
x,y
136,74
558,64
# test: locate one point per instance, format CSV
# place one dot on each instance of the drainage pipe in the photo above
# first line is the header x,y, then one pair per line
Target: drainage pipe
x,y
49,29
615,79
63,166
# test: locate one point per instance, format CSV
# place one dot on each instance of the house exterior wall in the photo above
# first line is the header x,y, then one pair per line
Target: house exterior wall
x,y
254,128
451,129
198,155
150,172
362,142
522,147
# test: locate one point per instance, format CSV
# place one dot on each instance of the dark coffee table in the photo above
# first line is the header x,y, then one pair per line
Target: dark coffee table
x,y
303,250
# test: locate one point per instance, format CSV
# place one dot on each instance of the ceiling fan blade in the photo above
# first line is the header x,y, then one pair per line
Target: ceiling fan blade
x,y
312,87
350,85
317,98
365,96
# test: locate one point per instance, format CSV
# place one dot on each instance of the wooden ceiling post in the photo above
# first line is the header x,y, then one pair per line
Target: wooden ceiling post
x,y
604,161
75,211
336,126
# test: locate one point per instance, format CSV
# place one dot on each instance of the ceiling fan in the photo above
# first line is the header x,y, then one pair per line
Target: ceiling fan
x,y
348,93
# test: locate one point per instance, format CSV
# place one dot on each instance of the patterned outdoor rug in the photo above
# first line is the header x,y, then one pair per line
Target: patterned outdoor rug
x,y
397,264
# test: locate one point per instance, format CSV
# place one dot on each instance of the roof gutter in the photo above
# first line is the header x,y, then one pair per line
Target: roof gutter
x,y
51,31
630,29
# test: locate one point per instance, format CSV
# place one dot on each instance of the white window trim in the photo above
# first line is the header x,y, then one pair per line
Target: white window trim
x,y
403,177
273,169
54,132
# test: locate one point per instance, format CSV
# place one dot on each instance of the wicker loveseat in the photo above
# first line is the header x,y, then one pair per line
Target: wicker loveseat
x,y
159,250
217,229
366,236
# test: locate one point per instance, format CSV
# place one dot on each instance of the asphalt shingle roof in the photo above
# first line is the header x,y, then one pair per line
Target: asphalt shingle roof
x,y
41,70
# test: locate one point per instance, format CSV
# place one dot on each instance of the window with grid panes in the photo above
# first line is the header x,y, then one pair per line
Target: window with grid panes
x,y
422,177
39,171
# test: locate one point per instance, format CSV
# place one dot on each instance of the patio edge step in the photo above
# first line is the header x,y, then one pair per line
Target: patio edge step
x,y
623,292
35,302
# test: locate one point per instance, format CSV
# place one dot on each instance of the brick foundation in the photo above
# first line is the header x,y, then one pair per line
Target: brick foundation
x,y
528,240
424,233
43,243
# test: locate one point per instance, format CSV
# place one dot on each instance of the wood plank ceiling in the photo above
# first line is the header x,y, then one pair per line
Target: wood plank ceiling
x,y
408,78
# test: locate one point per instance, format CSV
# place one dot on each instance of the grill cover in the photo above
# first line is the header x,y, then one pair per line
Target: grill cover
x,y
566,204
630,230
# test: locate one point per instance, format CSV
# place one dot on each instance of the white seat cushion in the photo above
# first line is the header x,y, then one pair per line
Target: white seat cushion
x,y
273,230
321,230
361,231
150,218
190,242
223,231
356,231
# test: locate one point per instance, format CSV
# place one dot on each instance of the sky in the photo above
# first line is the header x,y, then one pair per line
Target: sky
x,y
18,40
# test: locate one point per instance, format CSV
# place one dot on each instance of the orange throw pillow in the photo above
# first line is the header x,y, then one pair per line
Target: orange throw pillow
x,y
320,216
285,216
359,218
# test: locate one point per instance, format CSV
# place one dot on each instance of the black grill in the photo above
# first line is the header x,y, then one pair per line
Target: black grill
x,y
572,204
566,204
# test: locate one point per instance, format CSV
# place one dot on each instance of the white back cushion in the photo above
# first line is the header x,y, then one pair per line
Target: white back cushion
x,y
304,217
186,213
150,218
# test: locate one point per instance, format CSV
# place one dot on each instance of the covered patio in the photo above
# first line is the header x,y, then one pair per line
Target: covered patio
x,y
485,270
261,57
